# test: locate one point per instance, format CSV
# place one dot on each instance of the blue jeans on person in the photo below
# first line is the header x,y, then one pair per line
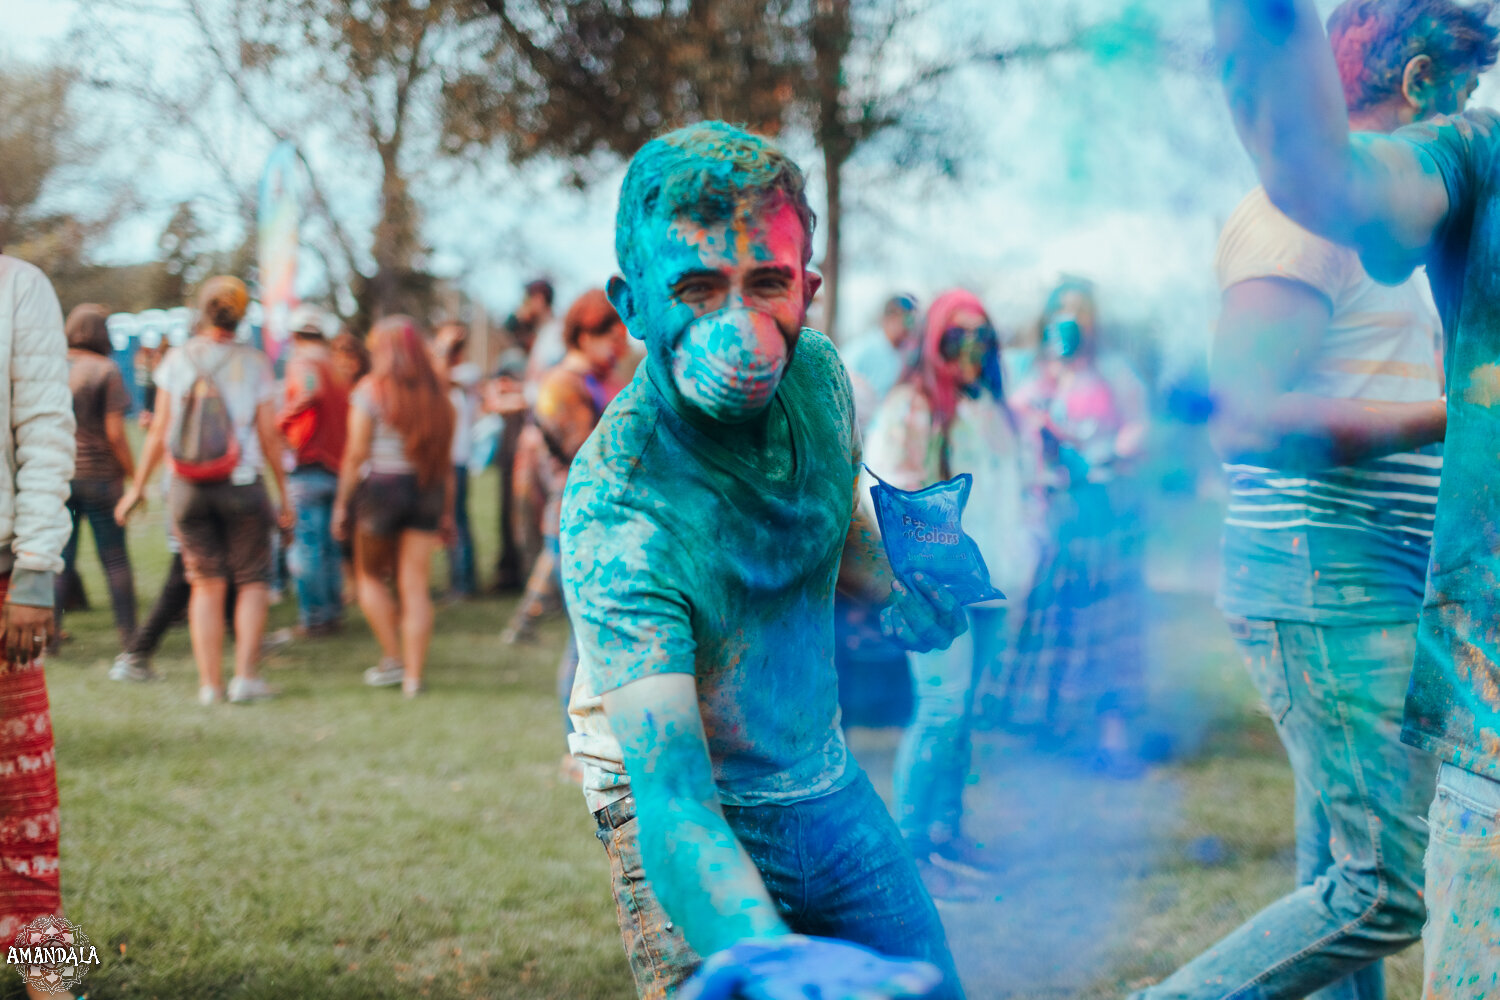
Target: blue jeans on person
x,y
317,564
932,763
461,579
1336,695
94,500
567,664
1461,943
834,865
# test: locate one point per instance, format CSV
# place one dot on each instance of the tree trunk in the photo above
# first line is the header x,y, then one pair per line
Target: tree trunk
x,y
833,219
832,34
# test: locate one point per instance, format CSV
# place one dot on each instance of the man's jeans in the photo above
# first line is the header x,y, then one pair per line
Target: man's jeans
x,y
317,564
835,866
1336,696
94,500
461,579
1461,942
932,762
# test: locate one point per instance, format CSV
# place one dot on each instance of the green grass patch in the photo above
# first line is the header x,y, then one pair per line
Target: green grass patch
x,y
340,842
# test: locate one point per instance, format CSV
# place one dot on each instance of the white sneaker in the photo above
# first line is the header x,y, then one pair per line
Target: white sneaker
x,y
388,674
275,642
245,689
132,667
209,695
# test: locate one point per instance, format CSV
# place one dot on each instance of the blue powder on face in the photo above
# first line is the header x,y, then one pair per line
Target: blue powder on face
x,y
923,533
702,172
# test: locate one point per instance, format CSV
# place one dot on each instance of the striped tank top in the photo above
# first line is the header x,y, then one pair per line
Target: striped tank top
x,y
1346,545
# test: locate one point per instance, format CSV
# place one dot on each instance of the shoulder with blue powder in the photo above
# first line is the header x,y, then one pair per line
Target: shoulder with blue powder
x,y
622,568
819,367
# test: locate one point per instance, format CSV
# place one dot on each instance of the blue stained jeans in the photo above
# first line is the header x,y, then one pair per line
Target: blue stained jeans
x,y
1461,943
834,865
1336,695
317,564
94,500
461,579
932,763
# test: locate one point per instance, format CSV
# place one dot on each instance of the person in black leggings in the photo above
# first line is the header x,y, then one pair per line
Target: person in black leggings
x,y
134,664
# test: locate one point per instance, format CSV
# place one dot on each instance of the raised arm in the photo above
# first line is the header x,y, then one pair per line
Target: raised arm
x,y
699,870
1380,194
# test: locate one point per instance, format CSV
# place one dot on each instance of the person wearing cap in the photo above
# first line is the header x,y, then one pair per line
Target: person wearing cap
x,y
35,468
878,360
224,527
314,421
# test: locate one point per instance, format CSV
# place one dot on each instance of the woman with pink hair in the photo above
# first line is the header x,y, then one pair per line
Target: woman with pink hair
x,y
395,496
946,417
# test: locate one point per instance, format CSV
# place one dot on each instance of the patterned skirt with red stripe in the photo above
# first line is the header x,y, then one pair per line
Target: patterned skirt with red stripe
x,y
28,800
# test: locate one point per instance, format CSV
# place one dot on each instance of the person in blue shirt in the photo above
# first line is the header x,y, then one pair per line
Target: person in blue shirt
x,y
705,526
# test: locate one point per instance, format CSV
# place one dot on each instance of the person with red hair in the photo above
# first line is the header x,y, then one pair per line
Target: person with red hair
x,y
396,485
946,417
570,400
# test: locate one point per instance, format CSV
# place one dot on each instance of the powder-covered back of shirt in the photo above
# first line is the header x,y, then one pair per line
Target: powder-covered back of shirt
x,y
678,556
1453,706
1345,545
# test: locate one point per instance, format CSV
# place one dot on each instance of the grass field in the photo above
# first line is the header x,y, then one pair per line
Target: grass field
x,y
340,842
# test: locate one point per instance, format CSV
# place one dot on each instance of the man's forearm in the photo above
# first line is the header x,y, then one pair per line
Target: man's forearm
x,y
706,882
864,571
1301,431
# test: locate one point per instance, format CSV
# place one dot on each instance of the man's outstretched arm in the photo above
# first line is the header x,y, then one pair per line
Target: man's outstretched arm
x,y
698,869
1379,194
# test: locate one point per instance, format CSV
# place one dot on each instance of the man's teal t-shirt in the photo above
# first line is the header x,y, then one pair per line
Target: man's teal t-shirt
x,y
1453,705
680,556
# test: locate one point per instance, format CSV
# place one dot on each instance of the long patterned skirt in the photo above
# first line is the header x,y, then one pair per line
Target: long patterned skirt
x,y
28,800
1079,651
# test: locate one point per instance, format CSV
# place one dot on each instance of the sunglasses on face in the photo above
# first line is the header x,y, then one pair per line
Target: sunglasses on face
x,y
956,338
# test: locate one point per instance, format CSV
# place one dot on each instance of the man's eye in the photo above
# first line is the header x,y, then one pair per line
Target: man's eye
x,y
774,285
694,290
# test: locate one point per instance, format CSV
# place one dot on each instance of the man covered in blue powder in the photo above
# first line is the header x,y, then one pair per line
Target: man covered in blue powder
x,y
705,526
1426,194
1330,414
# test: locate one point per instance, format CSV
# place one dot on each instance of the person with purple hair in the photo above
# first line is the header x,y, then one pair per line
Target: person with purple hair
x,y
1420,194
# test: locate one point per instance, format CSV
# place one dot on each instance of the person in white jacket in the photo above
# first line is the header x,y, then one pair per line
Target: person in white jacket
x,y
948,416
36,465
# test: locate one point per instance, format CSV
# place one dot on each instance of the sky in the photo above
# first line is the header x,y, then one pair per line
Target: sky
x,y
1118,174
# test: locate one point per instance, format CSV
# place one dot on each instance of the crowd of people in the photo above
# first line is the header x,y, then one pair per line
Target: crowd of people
x,y
700,520
368,443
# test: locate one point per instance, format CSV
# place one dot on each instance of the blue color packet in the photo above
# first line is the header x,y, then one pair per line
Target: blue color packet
x,y
923,533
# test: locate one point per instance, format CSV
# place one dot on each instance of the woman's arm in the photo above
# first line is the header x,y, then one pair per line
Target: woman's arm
x,y
151,453
270,447
119,445
356,453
